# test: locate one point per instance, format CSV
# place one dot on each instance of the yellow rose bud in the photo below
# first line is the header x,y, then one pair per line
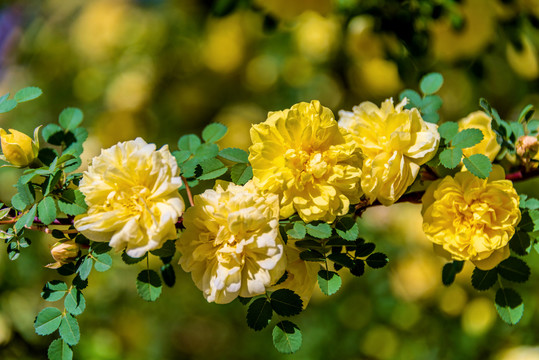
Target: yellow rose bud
x,y
489,145
527,146
468,218
64,253
18,148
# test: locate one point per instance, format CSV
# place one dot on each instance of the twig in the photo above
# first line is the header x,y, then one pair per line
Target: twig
x,y
188,189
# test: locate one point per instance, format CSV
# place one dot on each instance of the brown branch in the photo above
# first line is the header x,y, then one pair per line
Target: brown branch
x,y
188,189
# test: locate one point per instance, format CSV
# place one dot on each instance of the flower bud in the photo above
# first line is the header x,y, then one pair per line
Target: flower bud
x,y
527,146
64,253
19,149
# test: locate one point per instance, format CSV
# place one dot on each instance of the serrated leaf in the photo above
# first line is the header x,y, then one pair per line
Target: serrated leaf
x,y
7,105
431,117
13,251
532,204
189,168
241,173
342,259
51,182
285,302
365,249
54,290
244,301
259,314
53,134
359,268
509,305
181,156
311,255
206,151
26,193
27,94
47,321
329,282
448,130
347,228
69,330
214,132
467,138
234,154
168,274
514,269
96,247
479,165
129,260
320,230
46,210
85,268
526,114
27,219
4,212
450,158
484,279
168,249
71,202
59,350
450,270
282,279
414,99
520,243
103,262
431,83
377,260
211,169
431,104
70,118
149,285
298,231
17,202
189,143
286,337
75,302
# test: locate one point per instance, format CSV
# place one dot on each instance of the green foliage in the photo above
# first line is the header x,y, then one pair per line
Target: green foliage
x,y
467,138
75,302
448,130
103,262
514,269
285,302
431,83
54,290
235,155
168,274
149,285
168,249
520,243
414,99
214,132
329,282
311,255
47,321
509,305
27,94
347,228
450,270
70,118
364,249
59,350
189,143
46,210
69,330
129,260
212,169
298,231
27,219
320,230
377,260
526,114
71,202
484,279
286,337
241,173
85,267
259,314
450,157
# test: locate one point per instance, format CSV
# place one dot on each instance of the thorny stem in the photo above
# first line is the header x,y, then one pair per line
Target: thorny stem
x,y
188,189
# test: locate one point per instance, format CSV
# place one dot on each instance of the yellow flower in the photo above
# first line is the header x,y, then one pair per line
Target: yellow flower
x,y
64,253
18,148
395,142
301,275
231,243
468,218
489,145
132,195
302,155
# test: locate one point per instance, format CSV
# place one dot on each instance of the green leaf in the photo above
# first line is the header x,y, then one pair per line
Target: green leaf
x,y
13,251
526,114
311,255
431,104
27,219
206,151
484,279
414,99
286,337
53,134
70,118
286,303
69,330
259,314
236,155
450,158
168,249
27,94
359,268
7,105
448,130
431,83
282,279
514,269
85,268
4,212
329,282
520,243
377,260
214,132
509,305
321,230
342,259
211,169
72,202
450,270
168,274
188,168
431,117
241,173
17,202
54,290
129,260
103,262
181,156
467,138
59,350
47,321
96,247
189,143
347,228
365,249
479,165
46,210
51,182
298,231
26,193
75,302
149,285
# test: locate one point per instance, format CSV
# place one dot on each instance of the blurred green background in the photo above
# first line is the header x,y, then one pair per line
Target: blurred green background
x,y
161,69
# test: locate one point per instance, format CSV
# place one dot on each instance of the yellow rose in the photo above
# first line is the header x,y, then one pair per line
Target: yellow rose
x,y
18,148
132,195
301,275
231,243
489,145
468,218
64,253
302,155
395,142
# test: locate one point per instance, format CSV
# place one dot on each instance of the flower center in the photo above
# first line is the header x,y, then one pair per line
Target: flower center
x,y
312,163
